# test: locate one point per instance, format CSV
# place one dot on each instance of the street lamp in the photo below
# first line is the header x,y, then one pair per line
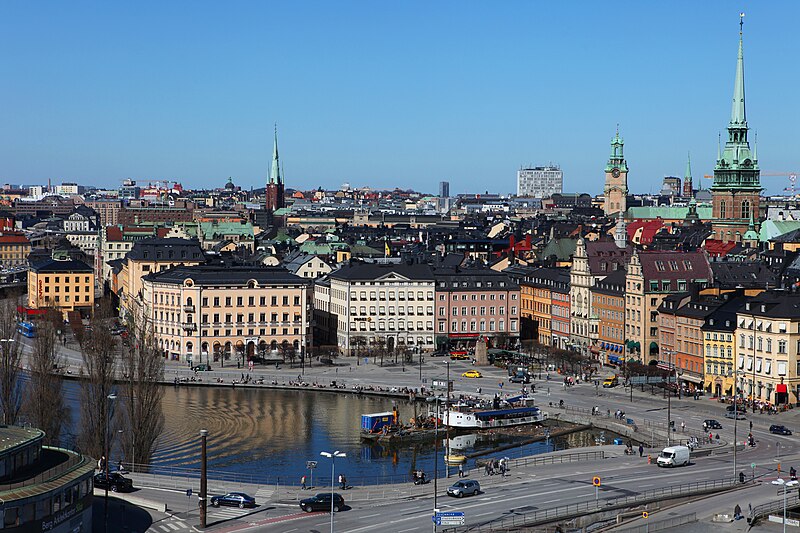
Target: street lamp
x,y
111,397
669,353
203,478
436,399
786,485
332,456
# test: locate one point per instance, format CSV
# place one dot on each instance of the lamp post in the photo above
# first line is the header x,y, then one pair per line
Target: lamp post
x,y
670,353
786,485
110,398
332,456
447,465
203,478
436,399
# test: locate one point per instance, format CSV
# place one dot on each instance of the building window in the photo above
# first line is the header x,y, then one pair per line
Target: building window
x,y
722,209
745,209
781,346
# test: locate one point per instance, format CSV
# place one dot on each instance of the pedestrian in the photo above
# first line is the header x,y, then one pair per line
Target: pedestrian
x,y
461,470
641,450
341,481
486,469
344,482
303,482
737,512
501,385
101,463
683,427
751,426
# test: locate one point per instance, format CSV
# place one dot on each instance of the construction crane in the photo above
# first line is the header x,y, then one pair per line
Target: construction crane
x,y
792,180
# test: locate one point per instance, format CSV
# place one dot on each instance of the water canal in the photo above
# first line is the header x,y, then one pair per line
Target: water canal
x,y
268,435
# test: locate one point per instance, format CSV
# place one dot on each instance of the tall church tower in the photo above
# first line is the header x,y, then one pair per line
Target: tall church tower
x,y
688,188
616,189
736,192
274,192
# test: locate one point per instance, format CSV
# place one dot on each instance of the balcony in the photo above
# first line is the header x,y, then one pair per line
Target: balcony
x,y
189,326
188,309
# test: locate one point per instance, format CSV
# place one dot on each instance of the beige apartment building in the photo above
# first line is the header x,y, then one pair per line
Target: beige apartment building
x,y
150,256
651,277
63,284
209,313
768,348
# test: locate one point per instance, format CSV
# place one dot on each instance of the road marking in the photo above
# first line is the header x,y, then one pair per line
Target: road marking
x,y
492,512
648,485
404,530
371,515
550,501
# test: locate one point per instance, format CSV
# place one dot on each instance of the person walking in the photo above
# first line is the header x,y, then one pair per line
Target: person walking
x,y
341,481
683,426
461,470
303,482
641,450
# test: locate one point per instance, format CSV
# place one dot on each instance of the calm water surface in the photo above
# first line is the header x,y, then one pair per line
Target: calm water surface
x,y
263,435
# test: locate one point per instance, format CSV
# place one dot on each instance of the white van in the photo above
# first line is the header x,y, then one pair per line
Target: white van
x,y
674,456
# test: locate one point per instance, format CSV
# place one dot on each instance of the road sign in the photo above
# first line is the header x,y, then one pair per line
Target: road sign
x,y
449,519
311,464
645,514
596,481
752,465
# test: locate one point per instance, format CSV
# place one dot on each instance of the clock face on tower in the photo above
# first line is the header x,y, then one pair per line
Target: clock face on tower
x,y
615,172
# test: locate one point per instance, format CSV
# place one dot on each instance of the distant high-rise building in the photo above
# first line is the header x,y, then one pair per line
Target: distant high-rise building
x,y
274,193
539,182
444,189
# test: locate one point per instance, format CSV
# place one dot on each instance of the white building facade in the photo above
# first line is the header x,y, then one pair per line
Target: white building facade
x,y
539,182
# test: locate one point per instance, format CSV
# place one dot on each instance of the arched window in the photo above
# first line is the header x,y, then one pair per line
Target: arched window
x,y
746,209
722,209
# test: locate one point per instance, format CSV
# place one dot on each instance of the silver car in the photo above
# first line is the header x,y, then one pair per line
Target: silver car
x,y
465,487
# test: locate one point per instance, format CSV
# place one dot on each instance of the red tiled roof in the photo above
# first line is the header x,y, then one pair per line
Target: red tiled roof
x,y
13,238
717,248
675,266
646,229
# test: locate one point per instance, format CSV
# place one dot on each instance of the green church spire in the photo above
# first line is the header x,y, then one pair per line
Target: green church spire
x,y
738,117
688,175
275,175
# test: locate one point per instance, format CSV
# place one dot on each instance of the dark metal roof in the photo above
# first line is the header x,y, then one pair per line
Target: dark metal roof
x,y
171,249
373,271
230,276
59,266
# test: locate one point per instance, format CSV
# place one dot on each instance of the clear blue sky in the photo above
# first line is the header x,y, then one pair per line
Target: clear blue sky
x,y
387,94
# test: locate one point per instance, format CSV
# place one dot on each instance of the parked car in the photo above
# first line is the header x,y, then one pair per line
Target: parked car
x,y
322,502
459,489
203,367
115,482
234,499
711,424
738,415
779,430
472,374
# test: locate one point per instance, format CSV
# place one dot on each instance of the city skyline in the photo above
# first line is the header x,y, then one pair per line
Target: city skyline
x,y
403,98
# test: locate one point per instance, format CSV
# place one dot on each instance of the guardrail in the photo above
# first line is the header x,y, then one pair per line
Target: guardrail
x,y
765,509
553,514
661,525
556,459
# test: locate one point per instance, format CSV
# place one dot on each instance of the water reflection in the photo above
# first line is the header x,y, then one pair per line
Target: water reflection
x,y
268,435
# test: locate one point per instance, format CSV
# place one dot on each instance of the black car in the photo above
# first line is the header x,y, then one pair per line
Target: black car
x,y
779,430
115,482
520,378
711,424
322,502
234,499
202,367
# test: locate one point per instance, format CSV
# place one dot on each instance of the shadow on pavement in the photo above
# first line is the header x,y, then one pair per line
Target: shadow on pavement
x,y
122,516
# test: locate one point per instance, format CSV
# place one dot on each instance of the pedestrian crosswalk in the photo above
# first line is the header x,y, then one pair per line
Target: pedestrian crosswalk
x,y
227,513
168,527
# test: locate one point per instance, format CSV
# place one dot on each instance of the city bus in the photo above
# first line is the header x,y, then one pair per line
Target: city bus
x,y
26,329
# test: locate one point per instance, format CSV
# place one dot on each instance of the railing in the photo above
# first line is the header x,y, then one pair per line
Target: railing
x,y
662,525
765,509
73,460
191,326
483,424
556,459
544,516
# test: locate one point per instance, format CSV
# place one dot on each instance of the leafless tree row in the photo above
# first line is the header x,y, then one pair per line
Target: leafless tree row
x,y
11,385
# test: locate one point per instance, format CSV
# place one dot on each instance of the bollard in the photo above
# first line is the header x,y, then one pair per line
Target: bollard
x,y
649,459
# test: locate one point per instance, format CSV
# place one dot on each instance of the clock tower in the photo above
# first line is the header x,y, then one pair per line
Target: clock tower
x,y
616,189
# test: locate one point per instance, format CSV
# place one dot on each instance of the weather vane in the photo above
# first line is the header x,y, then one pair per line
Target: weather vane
x,y
741,22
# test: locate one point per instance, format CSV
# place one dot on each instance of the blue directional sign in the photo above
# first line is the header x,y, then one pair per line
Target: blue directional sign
x,y
449,519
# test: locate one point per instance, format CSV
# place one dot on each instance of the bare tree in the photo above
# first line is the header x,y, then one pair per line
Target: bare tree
x,y
143,368
98,351
11,386
45,407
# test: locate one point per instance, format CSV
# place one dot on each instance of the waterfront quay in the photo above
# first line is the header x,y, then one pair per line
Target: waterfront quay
x,y
394,504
